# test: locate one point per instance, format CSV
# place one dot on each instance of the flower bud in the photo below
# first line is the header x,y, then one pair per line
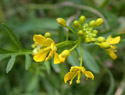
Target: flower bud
x,y
99,21
89,29
93,39
35,51
47,35
76,24
94,35
65,53
100,39
61,21
80,33
105,45
95,31
34,46
77,81
87,40
82,19
92,23
85,26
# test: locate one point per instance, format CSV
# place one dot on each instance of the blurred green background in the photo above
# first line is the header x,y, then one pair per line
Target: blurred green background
x,y
28,17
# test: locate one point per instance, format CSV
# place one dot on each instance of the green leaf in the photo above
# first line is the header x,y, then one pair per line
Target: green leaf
x,y
10,63
4,50
13,37
37,25
112,81
56,67
89,60
2,16
73,59
47,64
33,85
3,57
27,61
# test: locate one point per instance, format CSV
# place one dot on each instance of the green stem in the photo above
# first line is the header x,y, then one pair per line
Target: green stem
x,y
65,42
67,35
75,45
18,53
30,51
72,30
80,56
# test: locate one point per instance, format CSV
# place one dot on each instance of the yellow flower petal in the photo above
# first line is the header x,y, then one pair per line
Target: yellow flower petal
x,y
70,76
53,47
89,74
39,57
112,54
39,39
115,40
56,59
48,42
50,55
74,68
109,38
62,59
113,47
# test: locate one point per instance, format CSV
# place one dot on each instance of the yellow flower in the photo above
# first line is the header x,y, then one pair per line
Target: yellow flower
x,y
61,57
109,44
43,47
77,71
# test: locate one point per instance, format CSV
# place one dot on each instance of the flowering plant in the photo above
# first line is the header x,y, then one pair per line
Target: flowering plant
x,y
45,47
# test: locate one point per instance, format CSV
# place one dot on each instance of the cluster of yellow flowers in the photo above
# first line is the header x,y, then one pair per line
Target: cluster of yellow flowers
x,y
45,48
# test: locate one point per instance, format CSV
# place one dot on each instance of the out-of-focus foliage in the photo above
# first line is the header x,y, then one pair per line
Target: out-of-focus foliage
x,y
27,17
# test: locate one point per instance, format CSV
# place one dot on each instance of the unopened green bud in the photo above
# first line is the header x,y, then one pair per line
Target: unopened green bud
x,y
100,39
77,81
99,21
61,21
35,51
65,53
87,36
94,35
89,29
76,24
105,45
82,19
95,31
87,40
80,33
92,23
34,46
85,26
47,35
93,39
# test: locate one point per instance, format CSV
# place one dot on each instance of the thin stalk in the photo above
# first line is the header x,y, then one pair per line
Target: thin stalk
x,y
75,45
67,35
64,42
72,30
18,53
80,56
